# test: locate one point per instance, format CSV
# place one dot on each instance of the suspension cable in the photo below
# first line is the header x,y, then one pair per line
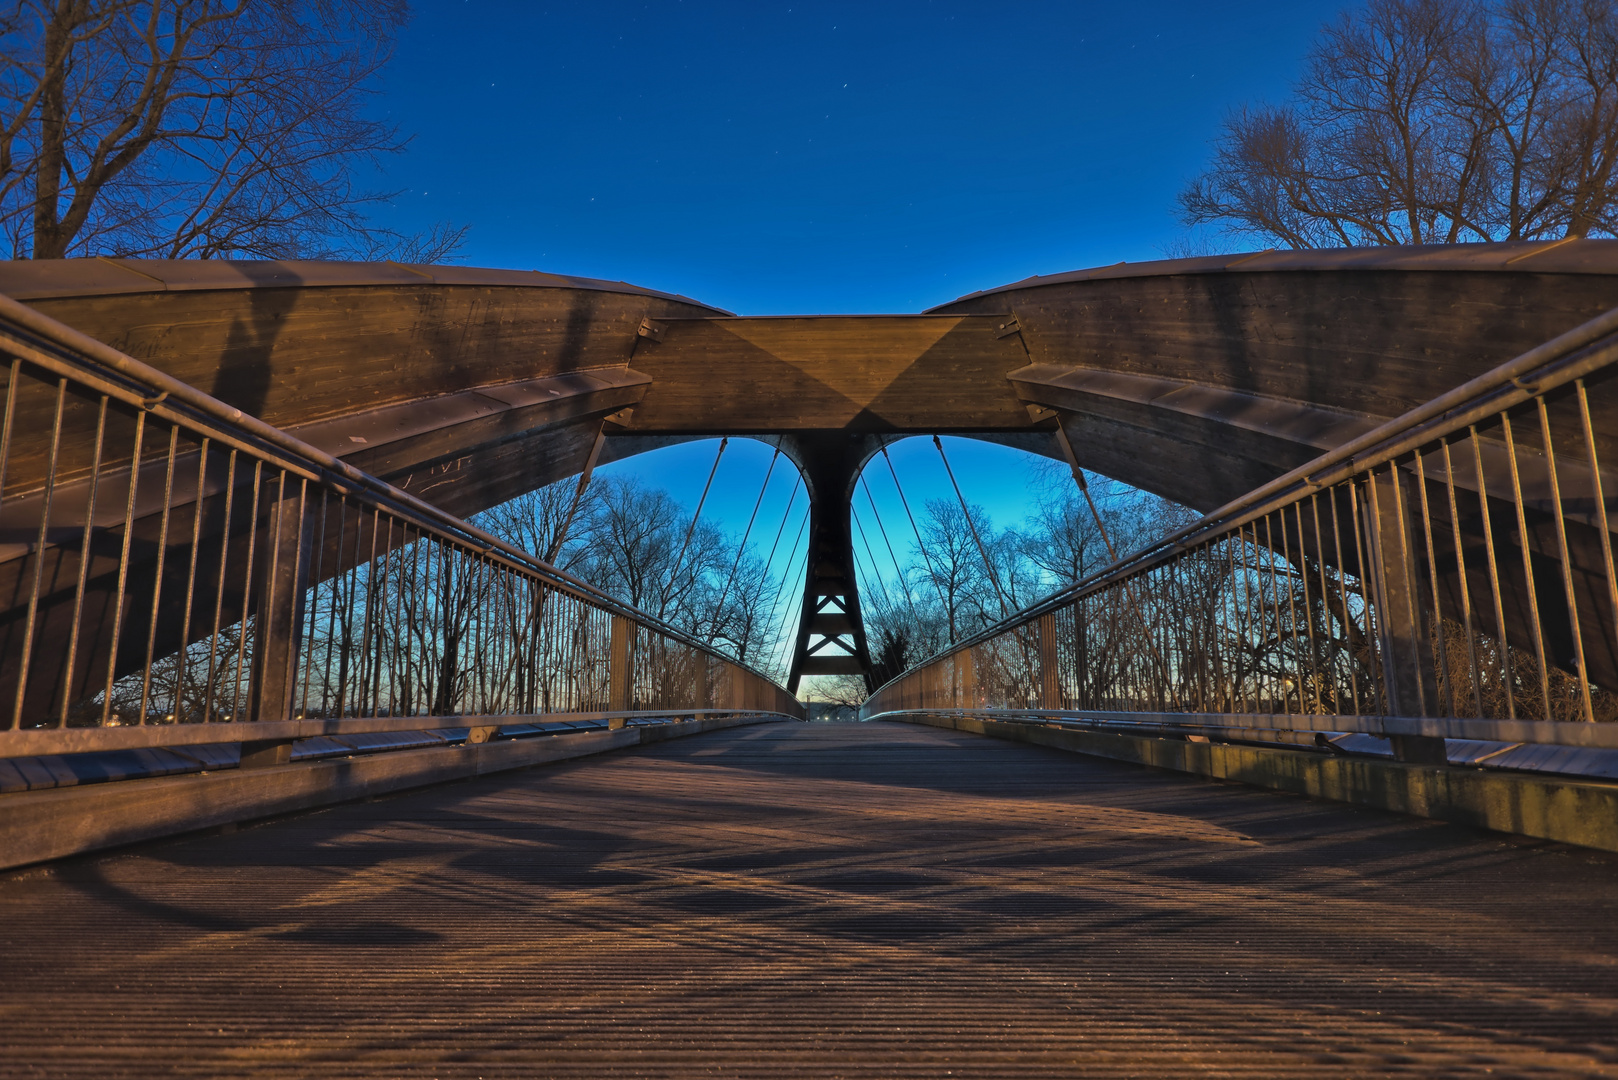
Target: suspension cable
x,y
674,573
1078,474
578,493
870,557
1129,591
994,578
742,547
786,516
781,587
932,573
903,583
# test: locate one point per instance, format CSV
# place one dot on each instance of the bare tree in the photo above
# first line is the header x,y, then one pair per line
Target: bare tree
x,y
952,569
741,618
640,545
547,522
196,129
1430,121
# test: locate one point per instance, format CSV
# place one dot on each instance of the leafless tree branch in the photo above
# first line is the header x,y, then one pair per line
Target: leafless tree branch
x,y
1430,121
197,129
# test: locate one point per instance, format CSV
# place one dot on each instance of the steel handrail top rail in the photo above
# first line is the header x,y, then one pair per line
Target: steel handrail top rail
x,y
1585,348
29,742
59,348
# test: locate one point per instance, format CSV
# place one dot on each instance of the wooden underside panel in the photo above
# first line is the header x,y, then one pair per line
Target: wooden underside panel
x,y
859,373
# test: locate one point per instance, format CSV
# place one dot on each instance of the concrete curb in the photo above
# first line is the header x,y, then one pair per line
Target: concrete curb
x,y
1569,811
37,826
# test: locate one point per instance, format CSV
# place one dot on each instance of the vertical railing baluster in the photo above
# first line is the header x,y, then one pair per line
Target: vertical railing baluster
x,y
1600,504
39,555
317,554
75,625
210,707
1508,673
1528,569
1567,566
250,565
1465,583
157,577
1443,682
123,567
181,665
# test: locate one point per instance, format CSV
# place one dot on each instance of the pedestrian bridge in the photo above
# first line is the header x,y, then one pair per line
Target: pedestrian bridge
x,y
1376,685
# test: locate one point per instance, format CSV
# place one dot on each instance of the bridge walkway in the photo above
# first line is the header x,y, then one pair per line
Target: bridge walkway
x,y
824,899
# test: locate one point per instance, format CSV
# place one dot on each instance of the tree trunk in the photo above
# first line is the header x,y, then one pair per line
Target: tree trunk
x,y
49,243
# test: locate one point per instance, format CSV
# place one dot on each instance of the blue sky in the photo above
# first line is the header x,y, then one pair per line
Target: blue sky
x,y
776,158
784,158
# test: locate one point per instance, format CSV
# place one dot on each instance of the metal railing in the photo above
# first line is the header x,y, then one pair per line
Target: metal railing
x,y
1449,574
166,560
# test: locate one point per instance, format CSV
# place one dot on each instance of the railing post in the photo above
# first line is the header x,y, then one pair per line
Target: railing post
x,y
1050,672
621,663
280,585
1402,619
1082,698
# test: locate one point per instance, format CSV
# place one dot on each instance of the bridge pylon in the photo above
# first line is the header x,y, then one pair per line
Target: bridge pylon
x,y
831,630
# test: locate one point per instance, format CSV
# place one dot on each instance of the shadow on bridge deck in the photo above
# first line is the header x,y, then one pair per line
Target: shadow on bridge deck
x,y
837,899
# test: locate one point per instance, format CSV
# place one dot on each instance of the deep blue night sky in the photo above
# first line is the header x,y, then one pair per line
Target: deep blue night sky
x,y
776,158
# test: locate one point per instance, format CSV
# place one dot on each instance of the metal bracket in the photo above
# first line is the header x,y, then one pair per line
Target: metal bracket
x,y
651,329
1007,328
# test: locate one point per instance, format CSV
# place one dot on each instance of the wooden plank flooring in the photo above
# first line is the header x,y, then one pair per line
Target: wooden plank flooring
x,y
826,900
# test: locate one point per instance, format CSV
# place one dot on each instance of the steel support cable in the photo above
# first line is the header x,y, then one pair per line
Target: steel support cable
x,y
1084,487
1112,553
870,557
780,588
742,547
994,578
578,493
807,563
921,545
877,514
782,528
674,571
1033,677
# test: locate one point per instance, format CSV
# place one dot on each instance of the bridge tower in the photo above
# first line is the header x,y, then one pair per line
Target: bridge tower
x,y
831,631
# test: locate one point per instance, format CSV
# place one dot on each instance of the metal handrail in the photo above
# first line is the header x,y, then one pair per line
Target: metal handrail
x,y
440,618
1555,363
60,348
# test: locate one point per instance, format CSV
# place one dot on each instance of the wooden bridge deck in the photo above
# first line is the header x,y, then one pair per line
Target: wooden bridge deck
x,y
832,900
